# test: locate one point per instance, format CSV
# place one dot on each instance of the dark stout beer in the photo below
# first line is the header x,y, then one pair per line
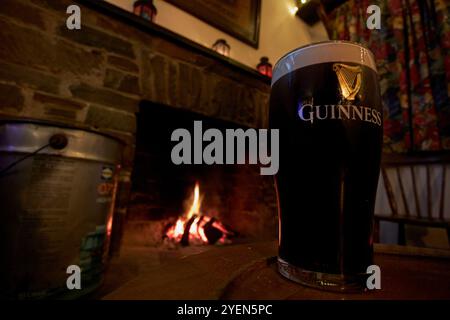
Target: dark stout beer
x,y
326,102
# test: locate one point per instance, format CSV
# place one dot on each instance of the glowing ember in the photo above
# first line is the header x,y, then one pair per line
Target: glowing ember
x,y
195,228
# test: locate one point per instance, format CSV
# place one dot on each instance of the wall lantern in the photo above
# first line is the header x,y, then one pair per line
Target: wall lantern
x,y
222,47
265,67
145,9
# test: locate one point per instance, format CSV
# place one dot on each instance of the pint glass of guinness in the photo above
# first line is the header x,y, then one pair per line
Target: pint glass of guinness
x,y
326,103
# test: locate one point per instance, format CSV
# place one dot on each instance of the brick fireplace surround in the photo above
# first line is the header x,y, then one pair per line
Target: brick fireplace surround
x,y
98,77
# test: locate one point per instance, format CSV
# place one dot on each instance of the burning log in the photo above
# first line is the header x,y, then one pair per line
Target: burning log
x,y
187,231
195,228
212,233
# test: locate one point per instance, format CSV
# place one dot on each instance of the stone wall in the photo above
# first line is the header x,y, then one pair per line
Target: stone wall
x,y
96,77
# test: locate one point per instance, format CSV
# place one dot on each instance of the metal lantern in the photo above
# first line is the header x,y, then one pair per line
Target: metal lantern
x,y
265,67
222,47
145,9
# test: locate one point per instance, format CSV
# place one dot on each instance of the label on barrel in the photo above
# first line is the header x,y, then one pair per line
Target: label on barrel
x,y
107,173
53,219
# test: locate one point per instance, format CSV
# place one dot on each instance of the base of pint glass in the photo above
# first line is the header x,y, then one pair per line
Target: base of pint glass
x,y
324,281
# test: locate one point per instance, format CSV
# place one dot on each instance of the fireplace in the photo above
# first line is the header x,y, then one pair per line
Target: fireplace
x,y
126,77
232,202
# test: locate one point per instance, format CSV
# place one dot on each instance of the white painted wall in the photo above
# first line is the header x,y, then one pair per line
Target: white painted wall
x,y
280,30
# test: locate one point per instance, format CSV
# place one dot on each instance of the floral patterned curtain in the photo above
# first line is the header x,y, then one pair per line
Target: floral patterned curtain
x,y
412,50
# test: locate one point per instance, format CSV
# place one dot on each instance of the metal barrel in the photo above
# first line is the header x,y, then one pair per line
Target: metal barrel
x,y
56,209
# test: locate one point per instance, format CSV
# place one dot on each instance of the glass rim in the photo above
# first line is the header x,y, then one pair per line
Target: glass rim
x,y
344,43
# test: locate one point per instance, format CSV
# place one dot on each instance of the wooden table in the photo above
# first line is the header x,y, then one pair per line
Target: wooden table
x,y
248,271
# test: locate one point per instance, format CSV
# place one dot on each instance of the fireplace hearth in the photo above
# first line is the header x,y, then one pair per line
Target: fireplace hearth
x,y
192,204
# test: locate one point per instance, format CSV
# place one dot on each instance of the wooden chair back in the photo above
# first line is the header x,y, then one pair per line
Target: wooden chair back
x,y
415,190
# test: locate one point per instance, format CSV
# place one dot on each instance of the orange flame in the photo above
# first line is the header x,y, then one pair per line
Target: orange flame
x,y
196,230
195,207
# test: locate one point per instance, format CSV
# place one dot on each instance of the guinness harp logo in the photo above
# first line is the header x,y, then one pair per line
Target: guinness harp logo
x,y
349,78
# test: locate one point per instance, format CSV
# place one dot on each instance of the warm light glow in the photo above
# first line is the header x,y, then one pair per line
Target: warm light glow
x,y
303,1
201,233
196,232
293,9
179,228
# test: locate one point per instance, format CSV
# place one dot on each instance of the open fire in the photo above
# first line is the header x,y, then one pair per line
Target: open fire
x,y
195,228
